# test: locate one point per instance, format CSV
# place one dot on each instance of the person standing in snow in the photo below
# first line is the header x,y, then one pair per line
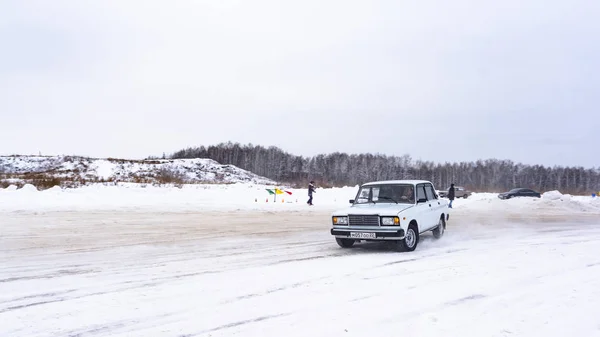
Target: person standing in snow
x,y
311,190
451,195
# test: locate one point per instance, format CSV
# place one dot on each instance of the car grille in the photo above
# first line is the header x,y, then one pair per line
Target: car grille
x,y
363,220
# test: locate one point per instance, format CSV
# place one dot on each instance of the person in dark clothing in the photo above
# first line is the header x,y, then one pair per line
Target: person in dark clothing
x,y
451,195
311,190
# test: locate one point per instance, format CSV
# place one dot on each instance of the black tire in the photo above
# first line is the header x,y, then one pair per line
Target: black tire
x,y
410,241
439,231
344,243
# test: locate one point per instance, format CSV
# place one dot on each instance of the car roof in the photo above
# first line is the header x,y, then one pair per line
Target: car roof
x,y
408,181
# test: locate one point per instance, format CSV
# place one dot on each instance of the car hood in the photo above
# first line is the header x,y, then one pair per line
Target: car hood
x,y
382,209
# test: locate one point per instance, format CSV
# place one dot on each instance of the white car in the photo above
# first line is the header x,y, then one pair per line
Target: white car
x,y
397,211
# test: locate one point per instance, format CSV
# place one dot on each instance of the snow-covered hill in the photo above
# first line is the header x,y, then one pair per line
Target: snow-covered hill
x,y
71,170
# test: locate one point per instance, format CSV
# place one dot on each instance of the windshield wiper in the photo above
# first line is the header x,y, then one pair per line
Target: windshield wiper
x,y
388,198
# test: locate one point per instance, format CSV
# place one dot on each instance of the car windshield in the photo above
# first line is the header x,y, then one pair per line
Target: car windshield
x,y
386,193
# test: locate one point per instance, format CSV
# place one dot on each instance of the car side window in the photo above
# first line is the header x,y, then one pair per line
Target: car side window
x,y
430,192
364,196
420,192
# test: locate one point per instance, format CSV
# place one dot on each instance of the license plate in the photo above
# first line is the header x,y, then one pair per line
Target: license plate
x,y
362,235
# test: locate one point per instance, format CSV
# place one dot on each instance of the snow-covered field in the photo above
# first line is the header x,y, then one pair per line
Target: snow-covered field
x,y
219,260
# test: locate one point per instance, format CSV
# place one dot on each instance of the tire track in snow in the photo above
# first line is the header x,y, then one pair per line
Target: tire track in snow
x,y
58,273
236,324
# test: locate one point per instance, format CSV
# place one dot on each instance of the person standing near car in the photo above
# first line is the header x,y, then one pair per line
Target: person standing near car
x,y
451,195
311,190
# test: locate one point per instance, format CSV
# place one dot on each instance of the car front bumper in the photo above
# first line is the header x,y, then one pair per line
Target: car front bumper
x,y
368,234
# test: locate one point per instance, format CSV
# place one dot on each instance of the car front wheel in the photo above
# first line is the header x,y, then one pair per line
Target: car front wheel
x,y
410,241
344,243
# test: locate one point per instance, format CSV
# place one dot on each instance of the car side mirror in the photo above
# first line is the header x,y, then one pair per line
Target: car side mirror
x,y
421,200
351,201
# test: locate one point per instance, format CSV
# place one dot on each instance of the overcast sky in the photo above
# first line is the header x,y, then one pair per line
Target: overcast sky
x,y
439,80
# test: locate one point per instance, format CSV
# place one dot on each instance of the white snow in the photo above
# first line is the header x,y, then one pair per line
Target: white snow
x,y
552,195
556,195
104,169
195,197
219,260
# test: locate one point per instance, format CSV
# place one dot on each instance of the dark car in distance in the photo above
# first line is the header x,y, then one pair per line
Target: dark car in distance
x,y
519,192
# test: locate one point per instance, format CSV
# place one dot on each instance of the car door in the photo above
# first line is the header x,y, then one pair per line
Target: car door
x,y
435,205
423,208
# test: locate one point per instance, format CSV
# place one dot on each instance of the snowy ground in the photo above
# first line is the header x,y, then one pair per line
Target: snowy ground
x,y
221,261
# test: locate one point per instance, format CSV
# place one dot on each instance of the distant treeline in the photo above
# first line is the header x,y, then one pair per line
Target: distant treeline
x,y
341,169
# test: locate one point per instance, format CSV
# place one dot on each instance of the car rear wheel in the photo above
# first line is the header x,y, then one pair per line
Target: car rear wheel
x,y
438,232
344,243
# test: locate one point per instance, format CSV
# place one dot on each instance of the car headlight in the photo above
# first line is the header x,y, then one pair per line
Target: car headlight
x,y
340,220
390,221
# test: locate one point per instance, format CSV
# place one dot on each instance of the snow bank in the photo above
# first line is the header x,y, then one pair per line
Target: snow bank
x,y
195,197
11,188
552,195
550,202
208,197
556,195
28,188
